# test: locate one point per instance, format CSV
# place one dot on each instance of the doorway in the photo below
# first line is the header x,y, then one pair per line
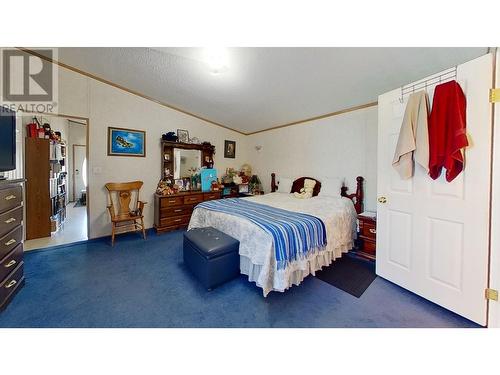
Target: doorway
x,y
56,187
79,175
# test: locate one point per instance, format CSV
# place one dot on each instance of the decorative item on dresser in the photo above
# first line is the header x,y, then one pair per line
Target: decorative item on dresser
x,y
367,235
174,211
11,240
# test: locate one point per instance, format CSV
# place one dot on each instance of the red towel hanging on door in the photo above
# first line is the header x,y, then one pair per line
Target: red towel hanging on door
x,y
447,131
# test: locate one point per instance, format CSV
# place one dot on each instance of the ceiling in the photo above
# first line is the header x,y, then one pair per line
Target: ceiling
x,y
264,87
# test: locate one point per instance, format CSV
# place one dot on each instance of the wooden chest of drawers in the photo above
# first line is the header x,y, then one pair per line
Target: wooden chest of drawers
x,y
11,240
174,211
367,236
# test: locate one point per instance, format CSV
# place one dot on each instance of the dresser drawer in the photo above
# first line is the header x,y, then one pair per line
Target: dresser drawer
x,y
190,199
10,198
10,219
171,201
176,211
211,196
11,261
368,229
11,283
10,240
175,220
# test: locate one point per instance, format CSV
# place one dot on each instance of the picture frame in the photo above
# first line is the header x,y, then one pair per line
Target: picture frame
x,y
229,149
126,142
243,188
180,183
182,136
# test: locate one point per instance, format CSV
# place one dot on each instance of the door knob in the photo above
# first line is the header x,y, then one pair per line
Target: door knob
x,y
382,199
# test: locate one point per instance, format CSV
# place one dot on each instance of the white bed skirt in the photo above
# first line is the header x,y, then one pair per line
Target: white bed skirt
x,y
295,273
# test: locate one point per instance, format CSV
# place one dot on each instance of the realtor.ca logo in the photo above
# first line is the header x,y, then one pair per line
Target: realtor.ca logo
x,y
28,81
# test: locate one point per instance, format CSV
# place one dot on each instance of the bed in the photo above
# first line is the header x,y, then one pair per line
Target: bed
x,y
258,259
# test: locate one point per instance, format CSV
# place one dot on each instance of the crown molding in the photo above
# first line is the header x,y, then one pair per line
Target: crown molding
x,y
331,114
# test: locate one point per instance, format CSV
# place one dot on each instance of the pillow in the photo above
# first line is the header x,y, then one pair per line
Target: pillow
x,y
285,185
330,187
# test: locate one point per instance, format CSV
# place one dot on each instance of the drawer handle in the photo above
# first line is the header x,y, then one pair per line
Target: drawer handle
x,y
372,231
10,264
171,201
10,242
10,284
177,220
179,210
9,197
8,221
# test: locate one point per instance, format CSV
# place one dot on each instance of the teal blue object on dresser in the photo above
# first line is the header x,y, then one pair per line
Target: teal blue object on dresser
x,y
207,176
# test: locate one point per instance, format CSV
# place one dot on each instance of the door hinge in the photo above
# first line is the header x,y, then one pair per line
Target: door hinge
x,y
494,95
491,294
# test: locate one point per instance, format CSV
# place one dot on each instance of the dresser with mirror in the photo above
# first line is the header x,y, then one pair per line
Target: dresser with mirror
x,y
179,160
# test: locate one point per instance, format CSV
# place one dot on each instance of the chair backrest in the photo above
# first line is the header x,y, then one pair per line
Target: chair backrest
x,y
121,194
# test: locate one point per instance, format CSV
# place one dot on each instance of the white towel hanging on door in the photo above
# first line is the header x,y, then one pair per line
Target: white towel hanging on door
x,y
413,141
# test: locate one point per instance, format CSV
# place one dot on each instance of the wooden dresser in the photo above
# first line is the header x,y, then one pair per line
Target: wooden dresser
x,y
174,211
11,240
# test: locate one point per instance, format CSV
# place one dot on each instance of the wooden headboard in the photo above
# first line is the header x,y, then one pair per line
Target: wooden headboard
x,y
357,197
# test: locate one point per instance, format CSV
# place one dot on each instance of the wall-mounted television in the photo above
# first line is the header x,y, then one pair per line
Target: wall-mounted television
x,y
7,140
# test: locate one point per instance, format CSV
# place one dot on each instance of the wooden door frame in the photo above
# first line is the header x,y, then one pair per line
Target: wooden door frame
x,y
87,153
73,167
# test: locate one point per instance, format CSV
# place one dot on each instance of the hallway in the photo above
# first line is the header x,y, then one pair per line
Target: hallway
x,y
73,229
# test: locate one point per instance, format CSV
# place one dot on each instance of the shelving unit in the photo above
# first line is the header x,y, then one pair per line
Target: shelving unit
x,y
58,194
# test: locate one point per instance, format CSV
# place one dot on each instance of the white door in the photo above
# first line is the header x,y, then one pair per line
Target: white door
x,y
79,156
494,306
432,236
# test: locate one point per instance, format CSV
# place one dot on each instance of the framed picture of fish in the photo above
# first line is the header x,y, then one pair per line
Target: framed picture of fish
x,y
126,142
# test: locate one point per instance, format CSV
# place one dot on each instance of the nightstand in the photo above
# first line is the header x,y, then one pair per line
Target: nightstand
x,y
367,235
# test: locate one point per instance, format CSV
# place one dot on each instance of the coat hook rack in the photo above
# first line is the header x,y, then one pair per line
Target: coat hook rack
x,y
448,75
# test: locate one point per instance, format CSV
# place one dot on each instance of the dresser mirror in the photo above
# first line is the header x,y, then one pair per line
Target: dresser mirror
x,y
186,162
178,158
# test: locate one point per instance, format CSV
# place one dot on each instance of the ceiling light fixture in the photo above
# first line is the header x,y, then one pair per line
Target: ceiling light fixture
x,y
217,59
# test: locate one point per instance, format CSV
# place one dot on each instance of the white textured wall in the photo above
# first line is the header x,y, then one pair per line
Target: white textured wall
x,y
343,146
106,106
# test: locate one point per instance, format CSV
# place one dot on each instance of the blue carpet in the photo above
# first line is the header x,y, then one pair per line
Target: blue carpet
x,y
145,284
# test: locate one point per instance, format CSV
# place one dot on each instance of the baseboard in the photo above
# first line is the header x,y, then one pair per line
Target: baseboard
x,y
149,231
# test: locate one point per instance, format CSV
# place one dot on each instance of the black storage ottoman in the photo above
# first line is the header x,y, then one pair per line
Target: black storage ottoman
x,y
212,256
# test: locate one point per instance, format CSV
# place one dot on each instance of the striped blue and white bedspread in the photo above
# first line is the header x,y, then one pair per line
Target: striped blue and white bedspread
x,y
294,234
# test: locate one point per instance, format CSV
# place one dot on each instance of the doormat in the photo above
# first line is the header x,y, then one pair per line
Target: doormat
x,y
353,276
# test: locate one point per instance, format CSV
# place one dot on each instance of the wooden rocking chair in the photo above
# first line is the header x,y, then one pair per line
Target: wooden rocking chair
x,y
124,219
